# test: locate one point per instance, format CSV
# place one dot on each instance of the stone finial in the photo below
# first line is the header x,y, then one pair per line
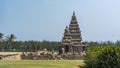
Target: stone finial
x,y
73,13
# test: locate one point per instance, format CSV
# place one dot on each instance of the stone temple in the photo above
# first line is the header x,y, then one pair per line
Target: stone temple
x,y
72,39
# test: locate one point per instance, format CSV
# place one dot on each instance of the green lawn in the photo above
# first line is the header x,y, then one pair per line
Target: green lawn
x,y
40,63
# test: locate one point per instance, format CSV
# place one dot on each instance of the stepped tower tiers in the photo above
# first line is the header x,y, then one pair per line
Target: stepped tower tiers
x,y
72,40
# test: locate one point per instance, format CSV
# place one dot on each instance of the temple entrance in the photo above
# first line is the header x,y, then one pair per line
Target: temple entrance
x,y
0,57
83,49
66,48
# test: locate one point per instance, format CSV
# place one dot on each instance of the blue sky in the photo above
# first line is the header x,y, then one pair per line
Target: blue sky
x,y
99,20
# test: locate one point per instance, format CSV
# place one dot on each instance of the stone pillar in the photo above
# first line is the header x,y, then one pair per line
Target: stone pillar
x,y
52,50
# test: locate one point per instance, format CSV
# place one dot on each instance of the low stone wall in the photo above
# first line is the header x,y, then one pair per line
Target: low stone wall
x,y
6,53
41,55
10,55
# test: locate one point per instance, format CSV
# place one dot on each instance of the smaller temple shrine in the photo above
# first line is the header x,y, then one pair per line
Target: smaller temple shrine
x,y
72,39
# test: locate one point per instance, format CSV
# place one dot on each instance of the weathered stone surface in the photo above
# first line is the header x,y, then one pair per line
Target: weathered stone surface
x,y
72,39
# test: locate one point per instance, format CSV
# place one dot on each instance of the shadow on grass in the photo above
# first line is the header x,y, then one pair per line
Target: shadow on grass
x,y
81,66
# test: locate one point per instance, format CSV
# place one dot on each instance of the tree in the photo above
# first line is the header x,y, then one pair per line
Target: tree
x,y
9,42
102,57
11,38
1,36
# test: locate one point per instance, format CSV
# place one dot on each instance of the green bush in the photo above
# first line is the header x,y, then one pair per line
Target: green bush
x,y
103,57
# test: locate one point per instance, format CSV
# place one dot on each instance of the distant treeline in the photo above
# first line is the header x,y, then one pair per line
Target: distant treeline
x,y
9,44
104,43
28,45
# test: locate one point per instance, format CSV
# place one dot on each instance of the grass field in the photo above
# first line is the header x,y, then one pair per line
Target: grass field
x,y
40,63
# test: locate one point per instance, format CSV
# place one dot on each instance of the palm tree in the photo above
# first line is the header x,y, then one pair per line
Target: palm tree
x,y
10,41
11,38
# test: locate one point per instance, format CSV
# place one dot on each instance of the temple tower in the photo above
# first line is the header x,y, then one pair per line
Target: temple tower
x,y
72,40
